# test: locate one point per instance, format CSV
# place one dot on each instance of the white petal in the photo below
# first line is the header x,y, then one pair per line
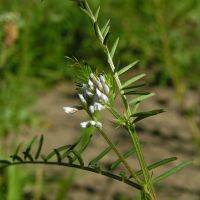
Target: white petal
x,y
102,78
70,110
88,93
90,83
104,98
92,123
91,109
106,88
98,92
99,85
98,106
99,125
82,99
85,124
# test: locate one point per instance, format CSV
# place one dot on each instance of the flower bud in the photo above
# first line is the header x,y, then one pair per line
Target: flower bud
x,y
91,109
99,85
82,99
98,92
87,124
106,88
98,106
91,85
70,110
104,98
102,79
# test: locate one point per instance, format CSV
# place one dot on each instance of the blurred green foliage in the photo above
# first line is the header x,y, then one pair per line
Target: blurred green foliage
x,y
35,36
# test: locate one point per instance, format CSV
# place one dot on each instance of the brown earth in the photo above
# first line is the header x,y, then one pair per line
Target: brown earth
x,y
162,136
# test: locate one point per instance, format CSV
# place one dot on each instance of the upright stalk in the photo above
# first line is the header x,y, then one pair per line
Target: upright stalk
x,y
147,185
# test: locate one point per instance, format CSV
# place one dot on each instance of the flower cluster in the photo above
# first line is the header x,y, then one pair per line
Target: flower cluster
x,y
94,94
93,97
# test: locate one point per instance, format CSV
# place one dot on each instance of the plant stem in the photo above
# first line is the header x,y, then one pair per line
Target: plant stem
x,y
104,173
147,178
147,185
131,171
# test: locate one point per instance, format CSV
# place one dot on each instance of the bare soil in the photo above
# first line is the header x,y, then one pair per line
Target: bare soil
x,y
162,136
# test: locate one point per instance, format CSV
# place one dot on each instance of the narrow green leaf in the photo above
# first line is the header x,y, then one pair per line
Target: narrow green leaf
x,y
114,48
16,152
125,155
71,147
78,156
39,147
57,153
141,98
106,38
142,115
133,87
172,171
125,69
132,80
106,32
71,160
28,155
51,154
87,7
16,157
136,93
158,164
96,29
28,149
97,167
145,196
105,27
97,13
100,156
123,176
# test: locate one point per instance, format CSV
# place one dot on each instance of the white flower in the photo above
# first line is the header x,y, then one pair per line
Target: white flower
x,y
87,124
70,110
98,106
91,109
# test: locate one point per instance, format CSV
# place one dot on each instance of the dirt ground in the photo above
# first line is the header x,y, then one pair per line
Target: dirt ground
x,y
162,136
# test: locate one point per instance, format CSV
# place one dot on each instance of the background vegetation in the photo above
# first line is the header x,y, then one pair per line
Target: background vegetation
x,y
36,35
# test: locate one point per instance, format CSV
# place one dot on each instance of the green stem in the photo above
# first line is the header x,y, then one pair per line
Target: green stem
x,y
130,170
147,178
104,173
147,185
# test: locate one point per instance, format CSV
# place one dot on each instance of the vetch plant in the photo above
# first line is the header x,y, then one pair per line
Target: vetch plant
x,y
97,91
